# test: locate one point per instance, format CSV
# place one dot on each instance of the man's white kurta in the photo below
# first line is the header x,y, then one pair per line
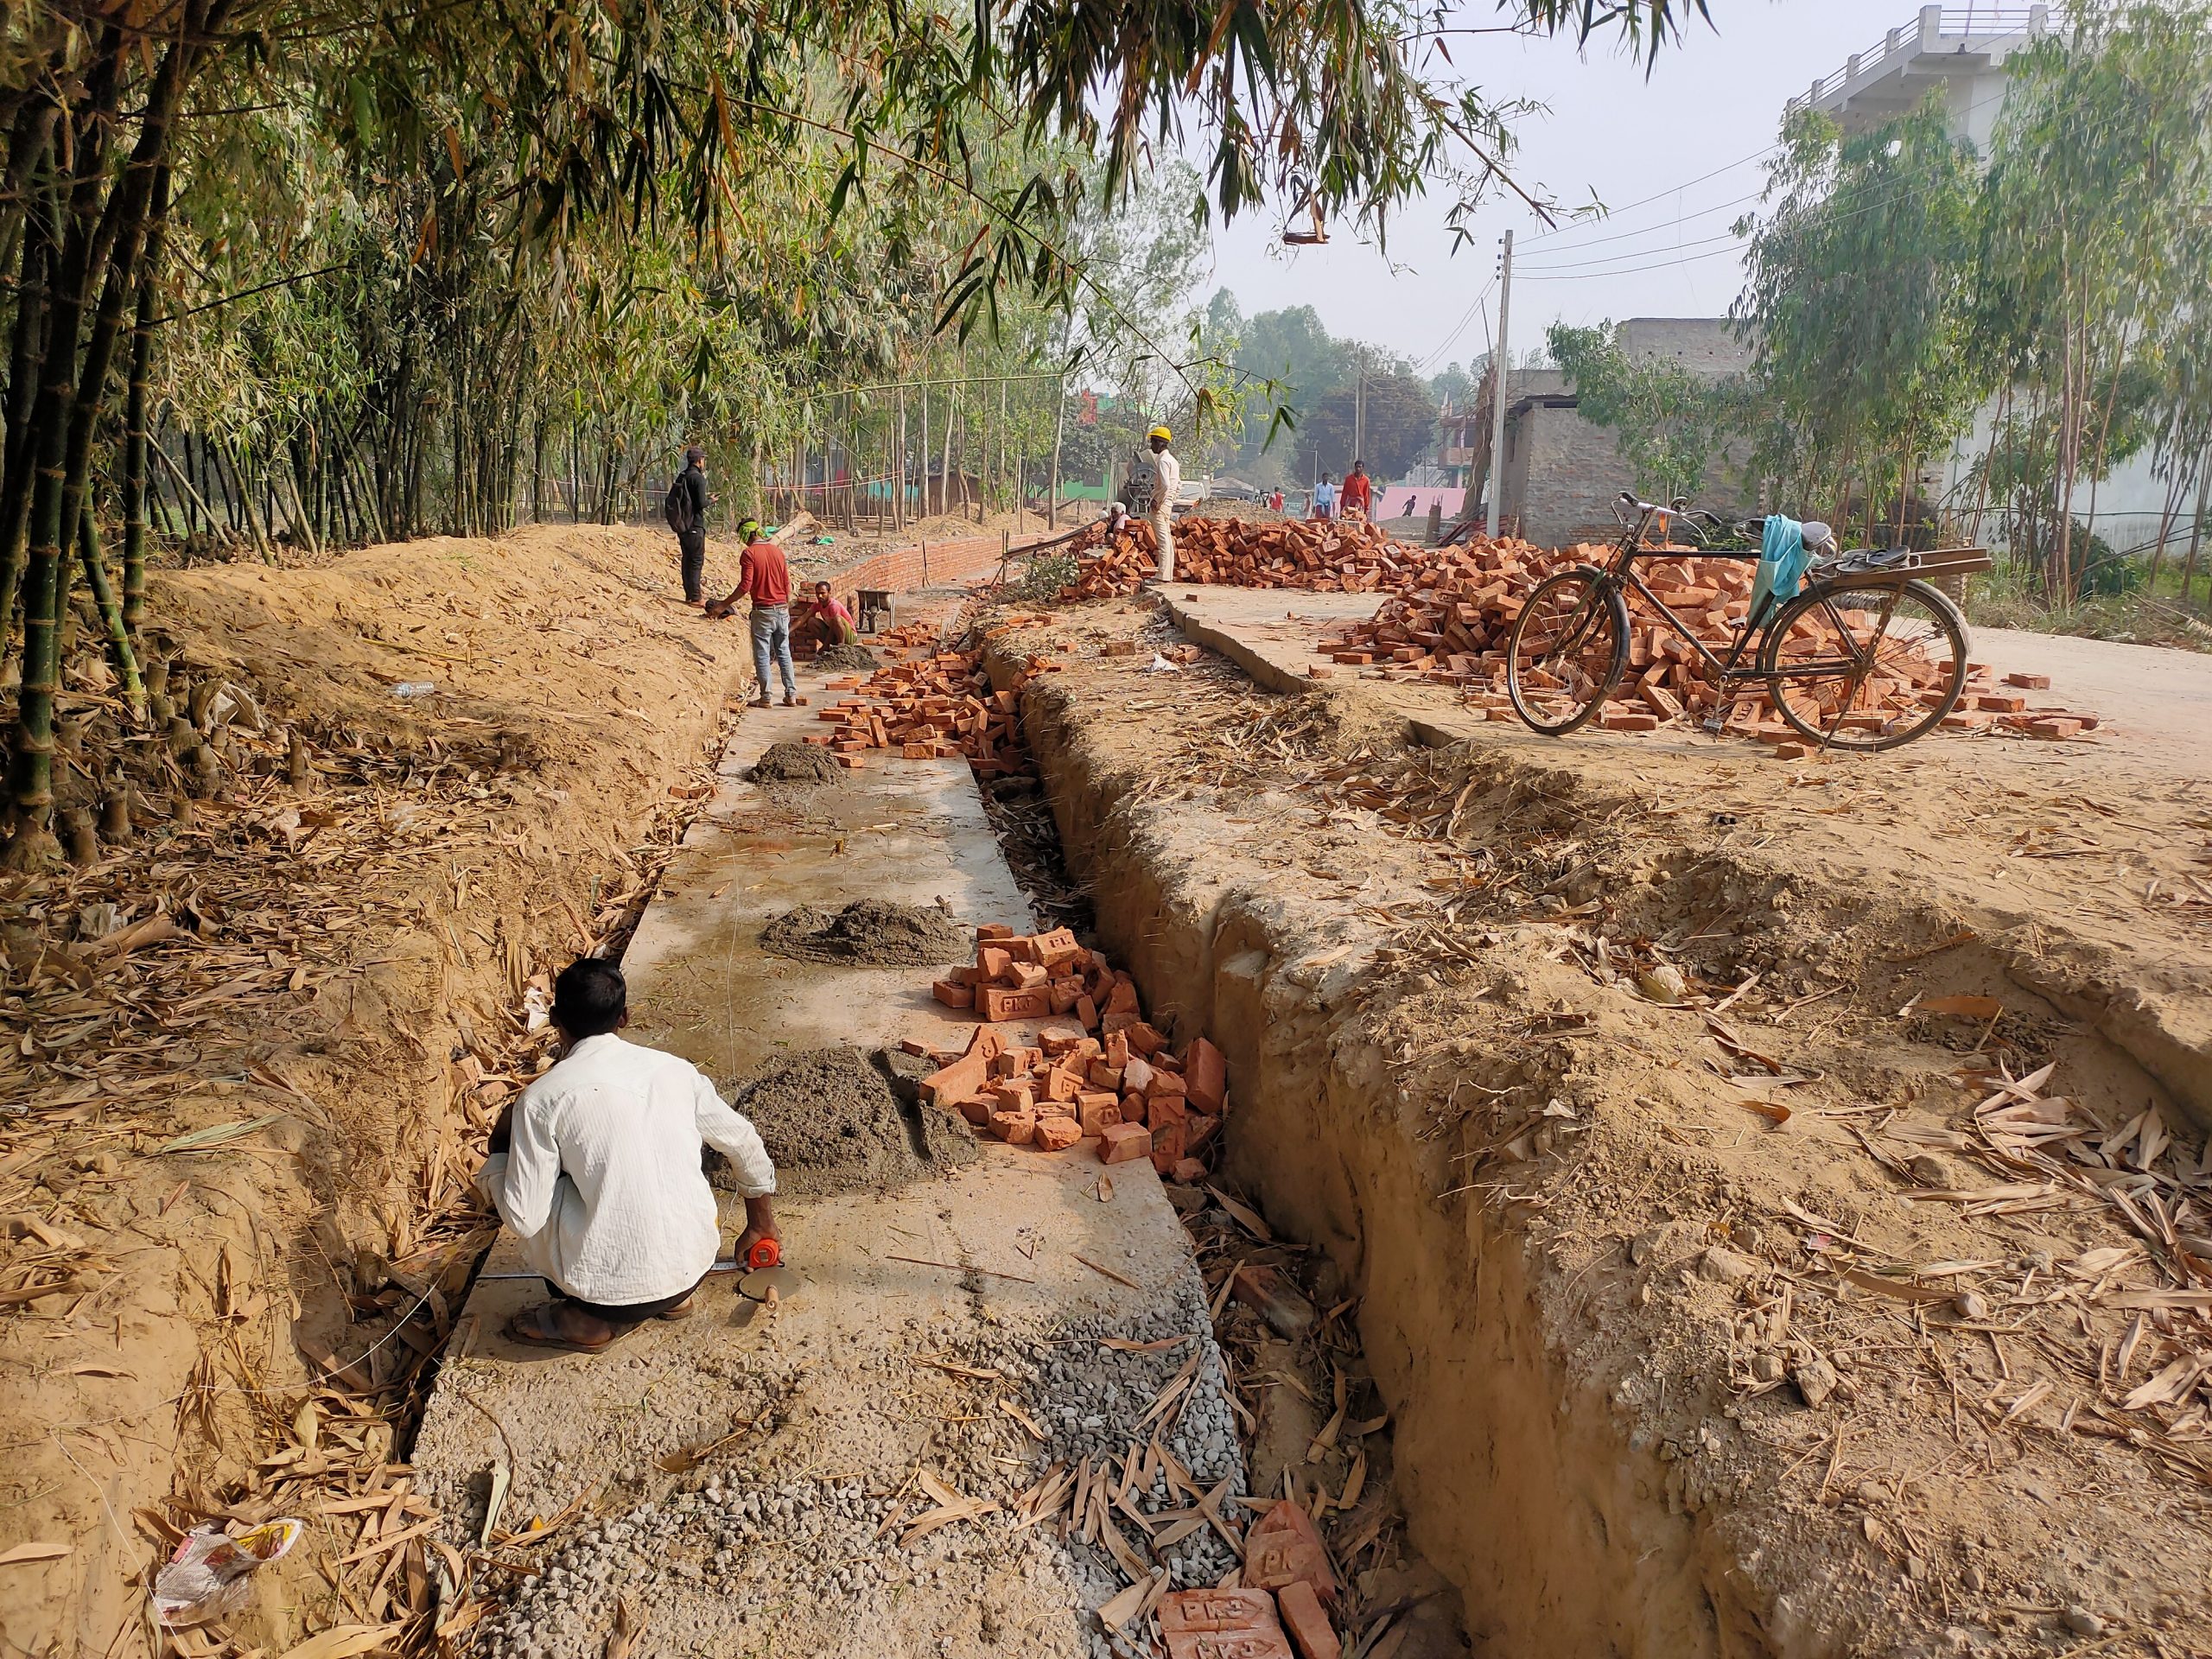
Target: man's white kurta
x,y
603,1184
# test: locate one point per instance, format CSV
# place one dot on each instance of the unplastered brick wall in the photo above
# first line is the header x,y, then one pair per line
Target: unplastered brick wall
x,y
924,564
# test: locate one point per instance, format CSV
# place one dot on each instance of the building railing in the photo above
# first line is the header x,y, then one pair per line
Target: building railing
x,y
1954,26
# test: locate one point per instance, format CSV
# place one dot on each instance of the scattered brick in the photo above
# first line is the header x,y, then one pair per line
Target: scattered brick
x,y
953,994
1056,1132
2054,729
2029,682
1283,1548
1792,751
1189,1171
1121,1143
1308,1622
1205,1077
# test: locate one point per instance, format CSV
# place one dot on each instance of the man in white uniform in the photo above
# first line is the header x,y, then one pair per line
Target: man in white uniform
x,y
1156,476
596,1168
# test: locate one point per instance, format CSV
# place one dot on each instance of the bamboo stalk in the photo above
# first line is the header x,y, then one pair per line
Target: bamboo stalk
x,y
111,616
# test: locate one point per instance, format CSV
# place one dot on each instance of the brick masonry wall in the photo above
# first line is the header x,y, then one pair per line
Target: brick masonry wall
x,y
924,564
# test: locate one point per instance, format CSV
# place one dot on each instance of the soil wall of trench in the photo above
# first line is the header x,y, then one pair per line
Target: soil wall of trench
x,y
1563,1538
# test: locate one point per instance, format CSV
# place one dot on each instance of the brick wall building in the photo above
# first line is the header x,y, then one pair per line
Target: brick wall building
x,y
1562,472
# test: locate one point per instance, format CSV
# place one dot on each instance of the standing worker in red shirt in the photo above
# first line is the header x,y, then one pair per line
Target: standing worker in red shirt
x,y
1358,493
763,577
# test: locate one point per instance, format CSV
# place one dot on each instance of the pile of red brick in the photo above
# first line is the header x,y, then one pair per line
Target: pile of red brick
x,y
937,707
1286,1588
1106,1073
1449,626
1342,555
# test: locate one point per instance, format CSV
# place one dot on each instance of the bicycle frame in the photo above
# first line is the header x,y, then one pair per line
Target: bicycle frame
x,y
1620,571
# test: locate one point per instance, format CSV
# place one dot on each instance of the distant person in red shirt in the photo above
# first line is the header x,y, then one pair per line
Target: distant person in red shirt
x,y
1358,494
763,577
825,622
1275,502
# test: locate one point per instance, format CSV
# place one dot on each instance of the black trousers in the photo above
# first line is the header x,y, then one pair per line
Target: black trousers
x,y
694,543
635,1314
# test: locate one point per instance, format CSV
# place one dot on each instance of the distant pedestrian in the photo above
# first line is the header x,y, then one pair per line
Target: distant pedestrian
x,y
764,578
1156,477
686,512
1275,502
1359,495
1324,499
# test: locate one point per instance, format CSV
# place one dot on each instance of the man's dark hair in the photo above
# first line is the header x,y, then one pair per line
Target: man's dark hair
x,y
694,456
589,998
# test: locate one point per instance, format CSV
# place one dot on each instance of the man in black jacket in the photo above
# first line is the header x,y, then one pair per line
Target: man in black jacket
x,y
687,516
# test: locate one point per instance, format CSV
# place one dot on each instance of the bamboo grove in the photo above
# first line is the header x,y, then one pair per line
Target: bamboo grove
x,y
325,270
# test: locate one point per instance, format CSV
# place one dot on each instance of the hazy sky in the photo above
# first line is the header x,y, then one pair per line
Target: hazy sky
x,y
1713,103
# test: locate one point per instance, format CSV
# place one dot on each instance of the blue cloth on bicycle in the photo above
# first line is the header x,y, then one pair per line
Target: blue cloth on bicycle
x,y
1782,561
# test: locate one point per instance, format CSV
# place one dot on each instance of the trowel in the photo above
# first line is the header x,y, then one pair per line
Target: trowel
x,y
766,1279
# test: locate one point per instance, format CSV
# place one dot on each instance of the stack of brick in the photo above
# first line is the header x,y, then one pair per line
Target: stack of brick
x,y
1287,1587
1343,556
934,708
1105,1073
1449,625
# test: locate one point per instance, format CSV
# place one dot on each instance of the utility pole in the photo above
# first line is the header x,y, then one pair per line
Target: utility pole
x,y
1500,358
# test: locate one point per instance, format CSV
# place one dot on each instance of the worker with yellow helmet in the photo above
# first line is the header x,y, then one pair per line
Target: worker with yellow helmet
x,y
1156,476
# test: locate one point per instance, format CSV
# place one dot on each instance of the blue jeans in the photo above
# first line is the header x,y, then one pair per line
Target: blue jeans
x,y
772,636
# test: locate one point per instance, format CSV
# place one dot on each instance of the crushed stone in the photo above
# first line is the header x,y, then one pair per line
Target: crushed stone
x,y
794,763
832,1122
871,930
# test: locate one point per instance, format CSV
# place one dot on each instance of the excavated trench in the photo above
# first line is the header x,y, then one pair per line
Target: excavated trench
x,y
1513,1476
1574,1268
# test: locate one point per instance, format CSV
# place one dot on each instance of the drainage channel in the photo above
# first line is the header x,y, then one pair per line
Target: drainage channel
x,y
998,1403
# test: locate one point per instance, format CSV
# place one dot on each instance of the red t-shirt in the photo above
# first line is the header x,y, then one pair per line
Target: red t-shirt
x,y
762,576
1355,497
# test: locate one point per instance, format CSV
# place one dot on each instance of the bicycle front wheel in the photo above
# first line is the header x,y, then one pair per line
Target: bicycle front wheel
x,y
1569,648
1865,668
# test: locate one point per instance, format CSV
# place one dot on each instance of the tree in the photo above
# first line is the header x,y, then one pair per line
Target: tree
x,y
1671,424
1400,420
1858,306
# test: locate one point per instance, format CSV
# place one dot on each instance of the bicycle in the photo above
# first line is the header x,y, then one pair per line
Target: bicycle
x,y
1865,656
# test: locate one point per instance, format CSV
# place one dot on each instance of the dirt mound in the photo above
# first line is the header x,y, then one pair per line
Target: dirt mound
x,y
832,1122
794,763
843,658
870,930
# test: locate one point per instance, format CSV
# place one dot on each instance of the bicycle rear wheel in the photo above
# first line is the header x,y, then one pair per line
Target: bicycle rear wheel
x,y
1569,648
1865,668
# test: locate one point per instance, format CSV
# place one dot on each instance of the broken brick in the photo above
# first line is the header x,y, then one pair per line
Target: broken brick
x,y
1029,976
1143,1039
1087,1012
1056,1132
1056,1040
1189,1171
965,1076
953,995
1169,1145
1017,1128
1134,1110
993,961
992,930
1105,1076
1122,1143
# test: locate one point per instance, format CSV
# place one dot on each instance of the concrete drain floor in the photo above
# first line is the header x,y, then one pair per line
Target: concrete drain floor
x,y
853,1473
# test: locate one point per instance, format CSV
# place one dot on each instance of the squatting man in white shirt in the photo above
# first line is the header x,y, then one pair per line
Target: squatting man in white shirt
x,y
596,1168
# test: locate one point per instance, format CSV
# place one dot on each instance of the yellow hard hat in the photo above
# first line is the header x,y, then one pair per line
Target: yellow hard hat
x,y
1160,432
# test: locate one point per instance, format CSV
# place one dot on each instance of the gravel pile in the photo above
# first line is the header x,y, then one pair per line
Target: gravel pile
x,y
844,658
720,1565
